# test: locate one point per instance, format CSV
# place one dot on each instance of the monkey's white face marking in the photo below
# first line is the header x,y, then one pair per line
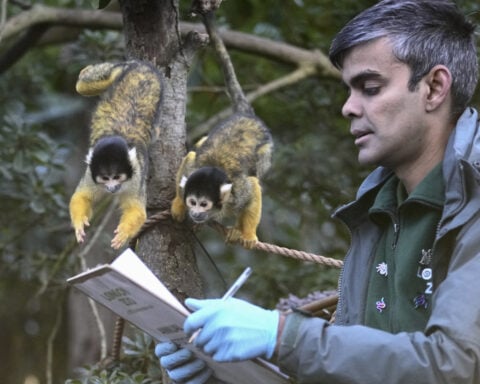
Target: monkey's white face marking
x,y
132,155
225,191
88,158
199,208
183,181
112,183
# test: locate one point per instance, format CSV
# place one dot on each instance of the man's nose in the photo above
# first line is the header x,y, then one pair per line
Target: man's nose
x,y
351,108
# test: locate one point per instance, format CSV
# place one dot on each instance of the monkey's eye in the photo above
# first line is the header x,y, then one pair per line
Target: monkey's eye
x,y
203,204
192,202
105,178
116,177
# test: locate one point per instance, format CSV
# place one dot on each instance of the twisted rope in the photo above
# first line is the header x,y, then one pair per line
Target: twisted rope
x,y
117,338
300,255
271,248
266,247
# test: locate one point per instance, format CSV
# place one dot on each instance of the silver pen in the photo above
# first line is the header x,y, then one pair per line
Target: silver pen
x,y
230,293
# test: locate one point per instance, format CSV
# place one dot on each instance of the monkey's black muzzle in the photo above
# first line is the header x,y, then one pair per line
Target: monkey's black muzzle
x,y
199,217
113,188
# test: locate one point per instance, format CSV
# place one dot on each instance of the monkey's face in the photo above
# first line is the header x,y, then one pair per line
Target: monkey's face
x,y
199,208
111,162
206,190
112,182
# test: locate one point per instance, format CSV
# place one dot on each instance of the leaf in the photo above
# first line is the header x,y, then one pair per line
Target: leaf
x,y
37,207
19,162
6,174
103,3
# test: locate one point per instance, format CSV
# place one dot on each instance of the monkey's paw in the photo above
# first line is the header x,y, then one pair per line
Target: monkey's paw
x,y
236,236
249,244
120,238
80,230
178,209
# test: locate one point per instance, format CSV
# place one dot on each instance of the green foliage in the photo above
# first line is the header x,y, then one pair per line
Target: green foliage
x,y
31,162
43,125
32,193
103,3
138,365
95,47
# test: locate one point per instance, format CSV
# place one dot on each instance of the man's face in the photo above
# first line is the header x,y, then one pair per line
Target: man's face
x,y
388,121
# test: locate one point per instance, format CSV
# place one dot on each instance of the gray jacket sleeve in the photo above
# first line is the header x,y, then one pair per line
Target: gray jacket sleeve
x,y
448,351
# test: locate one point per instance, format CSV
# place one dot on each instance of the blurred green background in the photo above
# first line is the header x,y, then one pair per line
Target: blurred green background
x,y
43,139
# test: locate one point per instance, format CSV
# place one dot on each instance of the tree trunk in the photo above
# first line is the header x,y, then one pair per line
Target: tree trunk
x,y
151,33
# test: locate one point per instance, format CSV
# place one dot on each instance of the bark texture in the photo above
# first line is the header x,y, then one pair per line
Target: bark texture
x,y
151,33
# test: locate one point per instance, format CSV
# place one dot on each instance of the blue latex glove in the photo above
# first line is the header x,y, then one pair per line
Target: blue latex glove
x,y
232,329
181,365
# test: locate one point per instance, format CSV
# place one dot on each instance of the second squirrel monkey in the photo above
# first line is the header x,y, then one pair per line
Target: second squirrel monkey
x,y
221,177
123,126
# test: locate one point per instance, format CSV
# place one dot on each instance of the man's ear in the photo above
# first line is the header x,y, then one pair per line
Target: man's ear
x,y
439,82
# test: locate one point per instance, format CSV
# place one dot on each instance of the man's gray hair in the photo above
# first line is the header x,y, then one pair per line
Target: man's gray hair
x,y
423,33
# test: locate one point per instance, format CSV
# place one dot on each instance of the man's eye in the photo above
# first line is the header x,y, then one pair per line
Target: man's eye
x,y
371,91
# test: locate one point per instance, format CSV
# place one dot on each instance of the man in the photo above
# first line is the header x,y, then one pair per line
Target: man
x,y
408,309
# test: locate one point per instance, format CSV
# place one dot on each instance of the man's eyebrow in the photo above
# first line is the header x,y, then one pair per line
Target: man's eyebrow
x,y
361,77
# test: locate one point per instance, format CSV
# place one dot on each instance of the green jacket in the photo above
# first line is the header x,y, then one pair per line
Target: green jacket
x,y
400,284
447,349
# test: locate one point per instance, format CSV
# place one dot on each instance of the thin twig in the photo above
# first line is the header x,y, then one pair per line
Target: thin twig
x,y
51,339
101,328
303,71
3,17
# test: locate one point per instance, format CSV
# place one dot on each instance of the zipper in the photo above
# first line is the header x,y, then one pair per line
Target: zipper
x,y
396,231
338,214
395,217
338,314
434,250
363,296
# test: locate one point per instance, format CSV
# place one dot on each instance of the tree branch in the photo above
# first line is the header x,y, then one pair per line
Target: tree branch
x,y
286,53
275,50
235,91
3,16
41,14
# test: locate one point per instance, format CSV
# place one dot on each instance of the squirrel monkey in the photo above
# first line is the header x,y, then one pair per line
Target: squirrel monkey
x,y
221,176
122,127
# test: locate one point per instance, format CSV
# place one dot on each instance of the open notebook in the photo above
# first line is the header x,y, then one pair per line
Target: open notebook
x,y
131,290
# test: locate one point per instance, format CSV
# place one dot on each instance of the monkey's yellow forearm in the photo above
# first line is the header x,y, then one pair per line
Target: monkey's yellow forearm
x,y
133,217
178,208
249,218
81,211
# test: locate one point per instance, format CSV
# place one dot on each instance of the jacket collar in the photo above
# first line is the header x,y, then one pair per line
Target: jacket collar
x,y
461,172
461,161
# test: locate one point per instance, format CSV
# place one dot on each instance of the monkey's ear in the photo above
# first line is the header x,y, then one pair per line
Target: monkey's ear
x,y
183,181
225,190
132,155
88,158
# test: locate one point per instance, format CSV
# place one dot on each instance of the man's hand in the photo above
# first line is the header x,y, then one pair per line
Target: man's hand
x,y
181,365
232,329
